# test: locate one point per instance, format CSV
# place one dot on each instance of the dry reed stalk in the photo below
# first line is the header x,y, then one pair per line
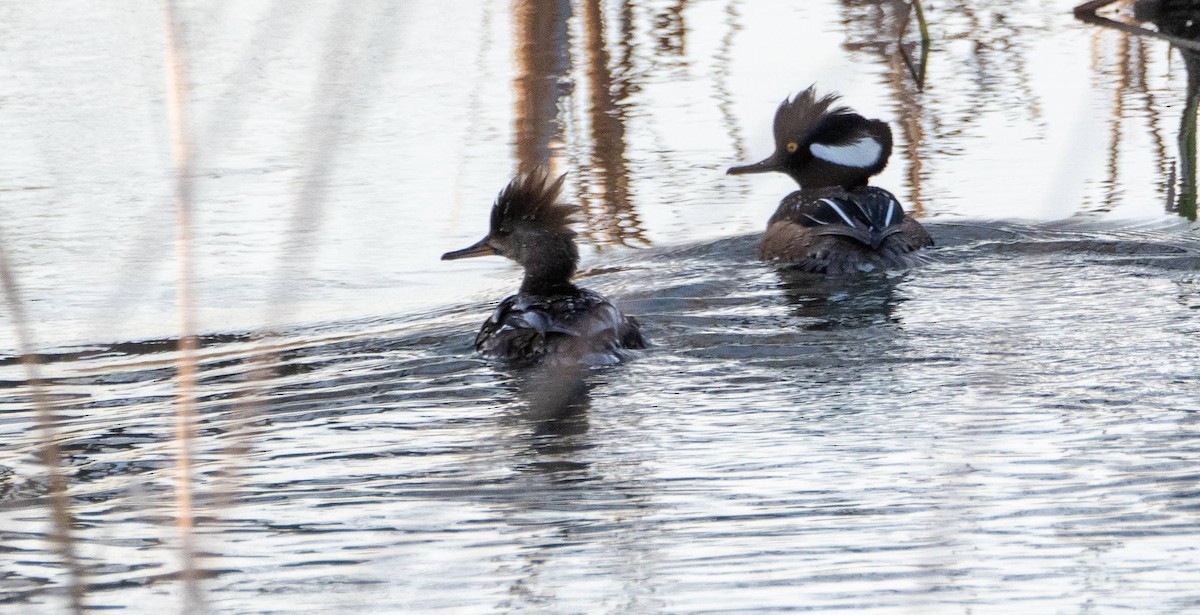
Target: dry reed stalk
x,y
60,511
185,365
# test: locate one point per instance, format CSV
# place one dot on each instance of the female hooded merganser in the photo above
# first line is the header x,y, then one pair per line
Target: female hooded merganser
x,y
549,319
835,223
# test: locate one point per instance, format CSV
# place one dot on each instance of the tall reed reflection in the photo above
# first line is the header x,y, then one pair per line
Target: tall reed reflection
x,y
544,105
877,29
615,220
543,62
994,73
1181,20
721,74
671,29
1126,67
1129,69
1177,23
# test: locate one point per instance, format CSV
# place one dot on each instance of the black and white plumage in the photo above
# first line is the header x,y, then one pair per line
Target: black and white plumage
x,y
835,223
835,230
550,320
868,215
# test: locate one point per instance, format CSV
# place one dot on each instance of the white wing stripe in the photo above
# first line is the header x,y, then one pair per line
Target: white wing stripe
x,y
887,220
861,153
839,211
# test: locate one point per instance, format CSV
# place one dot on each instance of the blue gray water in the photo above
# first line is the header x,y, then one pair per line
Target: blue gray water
x,y
1012,427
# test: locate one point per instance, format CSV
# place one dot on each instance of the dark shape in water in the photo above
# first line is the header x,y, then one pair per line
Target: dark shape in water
x,y
550,320
1181,19
827,303
835,223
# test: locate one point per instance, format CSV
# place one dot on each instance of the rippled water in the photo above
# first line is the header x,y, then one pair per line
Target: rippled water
x,y
1013,427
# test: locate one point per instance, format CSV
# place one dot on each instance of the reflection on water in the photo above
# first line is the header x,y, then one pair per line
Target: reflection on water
x,y
543,60
825,303
954,435
544,88
611,220
1011,427
1175,22
1181,20
877,29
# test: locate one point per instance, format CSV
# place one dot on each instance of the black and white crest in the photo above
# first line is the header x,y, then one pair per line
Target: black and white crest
x,y
821,144
834,134
530,199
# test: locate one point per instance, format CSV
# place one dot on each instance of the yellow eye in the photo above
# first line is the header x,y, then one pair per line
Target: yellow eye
x,y
792,147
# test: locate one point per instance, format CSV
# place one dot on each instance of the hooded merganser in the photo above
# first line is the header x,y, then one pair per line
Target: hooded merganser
x,y
835,223
549,319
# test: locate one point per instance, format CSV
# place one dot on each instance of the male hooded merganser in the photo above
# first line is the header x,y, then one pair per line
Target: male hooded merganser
x,y
549,319
835,223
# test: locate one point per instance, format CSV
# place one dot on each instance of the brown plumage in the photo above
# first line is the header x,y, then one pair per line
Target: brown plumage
x,y
550,319
835,254
532,199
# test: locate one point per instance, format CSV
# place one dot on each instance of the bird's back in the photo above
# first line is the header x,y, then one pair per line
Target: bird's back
x,y
839,230
578,327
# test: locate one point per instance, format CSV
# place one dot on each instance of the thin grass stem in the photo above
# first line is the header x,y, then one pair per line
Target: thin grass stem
x,y
60,505
185,366
924,27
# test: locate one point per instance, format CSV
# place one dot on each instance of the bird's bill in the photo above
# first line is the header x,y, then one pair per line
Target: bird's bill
x,y
480,248
765,166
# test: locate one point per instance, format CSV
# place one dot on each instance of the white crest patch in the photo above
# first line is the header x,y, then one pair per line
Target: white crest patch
x,y
861,153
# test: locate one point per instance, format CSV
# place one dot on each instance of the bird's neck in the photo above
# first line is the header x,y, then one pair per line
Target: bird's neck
x,y
548,271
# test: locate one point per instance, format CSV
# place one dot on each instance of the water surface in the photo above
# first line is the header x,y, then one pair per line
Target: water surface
x,y
1012,427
